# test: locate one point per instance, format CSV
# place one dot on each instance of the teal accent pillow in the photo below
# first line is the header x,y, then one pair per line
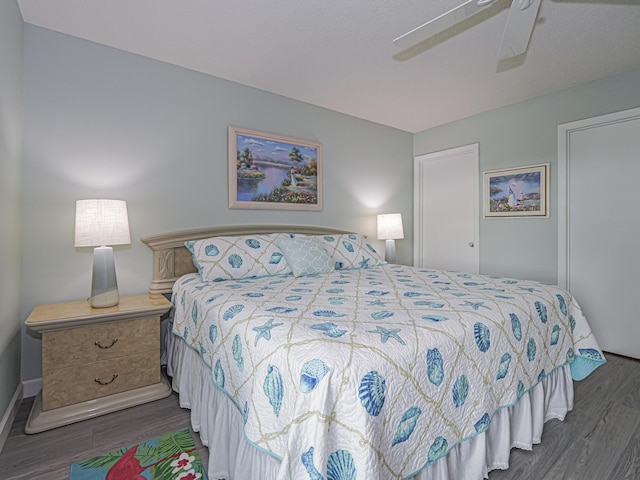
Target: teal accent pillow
x,y
305,255
235,257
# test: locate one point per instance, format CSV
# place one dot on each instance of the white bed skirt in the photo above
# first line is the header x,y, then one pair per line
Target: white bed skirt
x,y
231,457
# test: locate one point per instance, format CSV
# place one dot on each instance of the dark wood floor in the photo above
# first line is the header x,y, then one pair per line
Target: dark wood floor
x,y
599,439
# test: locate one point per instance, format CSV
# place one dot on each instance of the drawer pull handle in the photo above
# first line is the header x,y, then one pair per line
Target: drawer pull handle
x,y
104,347
113,377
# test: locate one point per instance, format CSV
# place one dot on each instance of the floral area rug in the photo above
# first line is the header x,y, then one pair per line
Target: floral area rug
x,y
169,457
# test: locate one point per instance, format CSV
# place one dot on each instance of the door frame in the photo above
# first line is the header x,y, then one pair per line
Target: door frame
x,y
565,131
419,162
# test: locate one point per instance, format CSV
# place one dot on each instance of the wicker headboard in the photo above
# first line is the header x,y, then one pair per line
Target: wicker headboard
x,y
171,259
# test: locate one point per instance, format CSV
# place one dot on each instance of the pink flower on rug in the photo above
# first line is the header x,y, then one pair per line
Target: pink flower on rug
x,y
183,462
190,475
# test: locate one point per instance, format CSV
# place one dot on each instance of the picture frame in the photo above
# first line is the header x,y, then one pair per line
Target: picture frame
x,y
517,192
273,172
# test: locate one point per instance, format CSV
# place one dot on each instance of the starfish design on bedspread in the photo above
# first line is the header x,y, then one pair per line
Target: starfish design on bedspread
x,y
264,331
474,305
387,333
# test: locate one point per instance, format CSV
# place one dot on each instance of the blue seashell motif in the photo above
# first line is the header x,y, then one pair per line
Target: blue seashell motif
x,y
194,313
435,366
337,300
381,315
348,247
328,313
245,413
213,333
232,311
274,388
334,290
521,391
542,311
437,449
340,466
329,238
531,349
307,461
235,260
482,335
236,351
555,335
460,391
483,424
281,310
516,326
212,299
252,243
406,426
351,236
372,392
211,250
434,318
373,250
275,258
292,298
590,353
572,322
330,329
503,368
432,304
378,293
563,304
218,374
571,355
253,295
541,375
312,372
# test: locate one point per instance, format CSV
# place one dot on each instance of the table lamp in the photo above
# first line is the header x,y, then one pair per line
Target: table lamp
x,y
101,223
390,230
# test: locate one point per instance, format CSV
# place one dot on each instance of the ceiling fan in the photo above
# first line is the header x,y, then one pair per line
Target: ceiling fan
x,y
515,39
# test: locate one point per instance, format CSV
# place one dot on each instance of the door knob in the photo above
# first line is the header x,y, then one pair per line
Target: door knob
x,y
471,244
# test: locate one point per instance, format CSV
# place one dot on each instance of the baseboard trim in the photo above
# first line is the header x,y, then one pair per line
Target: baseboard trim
x,y
32,387
7,420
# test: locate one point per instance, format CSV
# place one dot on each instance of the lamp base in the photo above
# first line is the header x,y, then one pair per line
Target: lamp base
x,y
390,251
104,286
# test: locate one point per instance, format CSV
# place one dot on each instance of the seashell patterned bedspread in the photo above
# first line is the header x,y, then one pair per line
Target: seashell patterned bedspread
x,y
377,372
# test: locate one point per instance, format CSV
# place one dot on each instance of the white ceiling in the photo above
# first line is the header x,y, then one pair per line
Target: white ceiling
x,y
339,54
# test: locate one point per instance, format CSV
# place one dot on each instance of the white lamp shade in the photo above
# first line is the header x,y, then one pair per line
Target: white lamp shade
x,y
101,222
390,226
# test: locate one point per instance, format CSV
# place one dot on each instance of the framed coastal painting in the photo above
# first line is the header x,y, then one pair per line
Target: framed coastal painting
x,y
517,192
274,172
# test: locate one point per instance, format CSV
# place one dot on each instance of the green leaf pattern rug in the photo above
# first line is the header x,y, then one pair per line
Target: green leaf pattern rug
x,y
172,456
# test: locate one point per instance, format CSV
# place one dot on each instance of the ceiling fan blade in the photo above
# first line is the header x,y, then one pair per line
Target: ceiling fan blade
x,y
441,23
517,32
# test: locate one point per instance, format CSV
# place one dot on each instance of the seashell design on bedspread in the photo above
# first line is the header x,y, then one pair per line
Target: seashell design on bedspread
x,y
377,372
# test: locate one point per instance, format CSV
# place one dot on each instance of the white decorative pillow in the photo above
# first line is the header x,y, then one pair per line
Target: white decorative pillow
x,y
350,250
305,255
235,257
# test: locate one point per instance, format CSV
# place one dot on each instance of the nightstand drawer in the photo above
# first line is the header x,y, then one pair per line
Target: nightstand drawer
x,y
66,386
94,343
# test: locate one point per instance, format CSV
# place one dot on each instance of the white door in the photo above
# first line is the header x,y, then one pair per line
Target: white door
x,y
446,210
600,260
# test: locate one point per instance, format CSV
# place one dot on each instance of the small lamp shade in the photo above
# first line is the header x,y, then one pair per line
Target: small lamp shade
x,y
101,223
390,230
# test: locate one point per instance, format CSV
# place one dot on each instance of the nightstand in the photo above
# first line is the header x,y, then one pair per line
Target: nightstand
x,y
97,360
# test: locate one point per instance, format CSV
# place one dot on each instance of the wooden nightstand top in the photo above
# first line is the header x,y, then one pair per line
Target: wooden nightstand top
x,y
56,316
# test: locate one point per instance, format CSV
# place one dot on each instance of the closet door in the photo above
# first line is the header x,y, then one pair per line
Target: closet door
x,y
446,210
602,214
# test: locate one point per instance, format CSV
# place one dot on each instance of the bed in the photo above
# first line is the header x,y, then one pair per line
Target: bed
x,y
303,355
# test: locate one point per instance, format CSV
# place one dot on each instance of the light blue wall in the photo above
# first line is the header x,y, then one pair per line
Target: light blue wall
x,y
100,122
11,29
526,134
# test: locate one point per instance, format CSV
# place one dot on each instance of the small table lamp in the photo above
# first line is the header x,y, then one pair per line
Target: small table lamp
x,y
100,223
390,230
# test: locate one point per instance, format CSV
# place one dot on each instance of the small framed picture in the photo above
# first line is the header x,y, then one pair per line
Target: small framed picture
x,y
275,172
517,192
